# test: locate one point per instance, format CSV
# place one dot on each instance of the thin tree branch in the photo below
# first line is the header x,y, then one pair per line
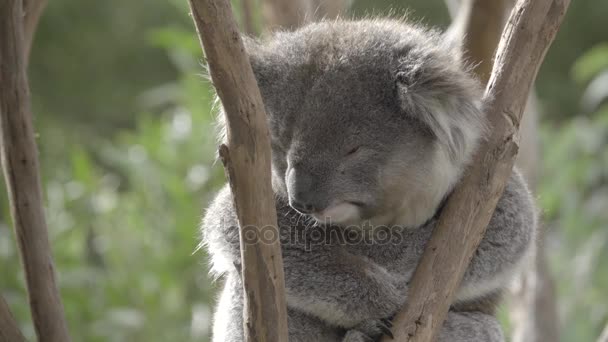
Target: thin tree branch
x,y
479,23
247,17
291,14
531,29
532,304
9,330
246,159
286,14
32,10
20,165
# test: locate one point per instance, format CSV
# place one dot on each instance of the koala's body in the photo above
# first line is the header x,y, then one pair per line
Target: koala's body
x,y
372,123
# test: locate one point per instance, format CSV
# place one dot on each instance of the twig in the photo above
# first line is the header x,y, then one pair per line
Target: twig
x,y
462,223
247,162
9,331
20,165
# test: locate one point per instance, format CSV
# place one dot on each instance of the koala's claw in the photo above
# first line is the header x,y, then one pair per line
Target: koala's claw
x,y
386,330
387,322
370,330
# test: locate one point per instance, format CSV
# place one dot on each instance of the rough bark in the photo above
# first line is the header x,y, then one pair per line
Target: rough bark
x,y
462,223
9,330
532,304
20,165
246,158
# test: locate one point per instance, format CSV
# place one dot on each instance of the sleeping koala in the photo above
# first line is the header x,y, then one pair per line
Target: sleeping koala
x,y
372,123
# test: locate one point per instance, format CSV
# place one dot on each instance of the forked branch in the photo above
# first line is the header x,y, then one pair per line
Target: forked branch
x,y
529,32
247,162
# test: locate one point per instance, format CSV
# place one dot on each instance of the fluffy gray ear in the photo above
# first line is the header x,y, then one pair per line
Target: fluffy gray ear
x,y
269,67
452,38
444,98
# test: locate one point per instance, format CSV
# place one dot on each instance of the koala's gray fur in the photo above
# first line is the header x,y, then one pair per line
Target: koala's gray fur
x,y
371,123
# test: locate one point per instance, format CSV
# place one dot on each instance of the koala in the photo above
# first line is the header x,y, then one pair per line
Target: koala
x,y
372,123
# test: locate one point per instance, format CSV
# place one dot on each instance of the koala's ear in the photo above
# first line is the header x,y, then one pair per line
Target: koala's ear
x,y
263,62
452,40
446,100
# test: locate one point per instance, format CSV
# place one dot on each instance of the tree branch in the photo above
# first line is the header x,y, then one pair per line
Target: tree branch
x,y
32,10
247,162
479,23
291,14
9,330
286,14
247,17
462,223
20,165
532,303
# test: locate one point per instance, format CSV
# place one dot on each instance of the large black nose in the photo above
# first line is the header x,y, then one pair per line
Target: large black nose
x,y
301,191
303,207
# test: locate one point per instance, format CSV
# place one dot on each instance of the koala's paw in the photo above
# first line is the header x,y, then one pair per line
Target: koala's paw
x,y
369,331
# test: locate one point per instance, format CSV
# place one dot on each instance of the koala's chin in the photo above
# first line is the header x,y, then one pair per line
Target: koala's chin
x,y
340,213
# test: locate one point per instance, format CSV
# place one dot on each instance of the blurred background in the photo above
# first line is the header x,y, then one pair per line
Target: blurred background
x,y
125,129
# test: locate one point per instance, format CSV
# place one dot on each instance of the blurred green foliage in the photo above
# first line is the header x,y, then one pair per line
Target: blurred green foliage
x,y
573,194
126,135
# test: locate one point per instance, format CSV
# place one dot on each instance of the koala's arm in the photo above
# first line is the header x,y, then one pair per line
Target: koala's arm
x,y
325,281
340,288
344,289
507,246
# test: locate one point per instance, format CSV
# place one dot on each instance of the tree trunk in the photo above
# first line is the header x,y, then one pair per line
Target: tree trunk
x,y
532,27
20,165
532,304
246,159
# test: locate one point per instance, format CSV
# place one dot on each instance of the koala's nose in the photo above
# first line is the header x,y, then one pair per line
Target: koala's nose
x,y
299,187
303,207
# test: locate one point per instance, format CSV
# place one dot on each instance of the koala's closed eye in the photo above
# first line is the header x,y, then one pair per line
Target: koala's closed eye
x,y
352,151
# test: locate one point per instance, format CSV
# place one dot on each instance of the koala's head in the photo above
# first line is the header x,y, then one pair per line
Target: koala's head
x,y
369,120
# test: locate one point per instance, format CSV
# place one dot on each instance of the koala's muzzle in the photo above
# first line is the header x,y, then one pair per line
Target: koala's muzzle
x,y
303,195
